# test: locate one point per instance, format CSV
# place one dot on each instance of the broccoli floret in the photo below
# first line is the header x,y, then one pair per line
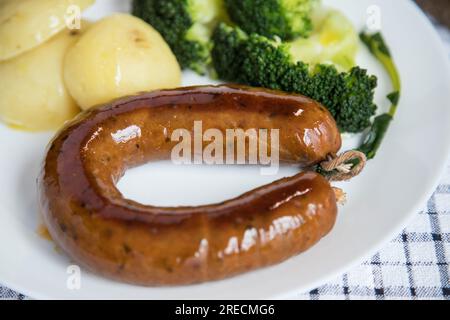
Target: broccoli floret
x,y
258,61
186,25
229,40
286,19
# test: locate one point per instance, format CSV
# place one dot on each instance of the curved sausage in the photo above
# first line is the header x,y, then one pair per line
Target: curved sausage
x,y
90,220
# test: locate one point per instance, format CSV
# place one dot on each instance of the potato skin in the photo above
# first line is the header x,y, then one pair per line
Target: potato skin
x,y
119,55
26,24
33,95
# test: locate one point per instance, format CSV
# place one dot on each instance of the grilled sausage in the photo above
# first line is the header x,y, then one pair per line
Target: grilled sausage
x,y
90,220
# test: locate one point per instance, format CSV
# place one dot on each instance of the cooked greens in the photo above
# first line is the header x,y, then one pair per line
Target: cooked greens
x,y
377,46
186,25
285,19
258,61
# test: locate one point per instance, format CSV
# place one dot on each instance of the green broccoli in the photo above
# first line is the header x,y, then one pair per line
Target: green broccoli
x,y
286,19
258,61
186,25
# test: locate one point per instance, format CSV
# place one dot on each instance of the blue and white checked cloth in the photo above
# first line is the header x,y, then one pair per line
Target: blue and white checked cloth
x,y
415,265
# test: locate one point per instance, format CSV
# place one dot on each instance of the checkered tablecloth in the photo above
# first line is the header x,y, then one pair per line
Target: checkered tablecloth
x,y
415,265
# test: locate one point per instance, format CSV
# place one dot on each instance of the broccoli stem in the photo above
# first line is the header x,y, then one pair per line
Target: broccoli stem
x,y
377,46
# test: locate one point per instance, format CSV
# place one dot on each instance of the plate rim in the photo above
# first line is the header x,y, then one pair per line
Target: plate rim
x,y
419,203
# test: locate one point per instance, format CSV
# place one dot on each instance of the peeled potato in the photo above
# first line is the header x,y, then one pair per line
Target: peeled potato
x,y
33,95
118,56
25,24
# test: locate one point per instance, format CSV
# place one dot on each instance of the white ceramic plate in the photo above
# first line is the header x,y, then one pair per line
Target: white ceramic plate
x,y
380,202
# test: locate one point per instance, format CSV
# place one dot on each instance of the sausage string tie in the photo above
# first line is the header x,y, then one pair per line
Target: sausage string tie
x,y
343,167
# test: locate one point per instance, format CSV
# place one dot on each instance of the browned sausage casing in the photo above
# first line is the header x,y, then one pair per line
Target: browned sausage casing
x,y
89,218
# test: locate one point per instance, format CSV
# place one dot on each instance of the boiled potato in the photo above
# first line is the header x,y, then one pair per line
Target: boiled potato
x,y
25,24
32,91
118,56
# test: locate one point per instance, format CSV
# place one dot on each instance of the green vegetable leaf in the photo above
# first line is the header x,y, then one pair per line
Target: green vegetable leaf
x,y
377,46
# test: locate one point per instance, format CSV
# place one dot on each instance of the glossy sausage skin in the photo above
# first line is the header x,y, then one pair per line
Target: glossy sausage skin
x,y
90,220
